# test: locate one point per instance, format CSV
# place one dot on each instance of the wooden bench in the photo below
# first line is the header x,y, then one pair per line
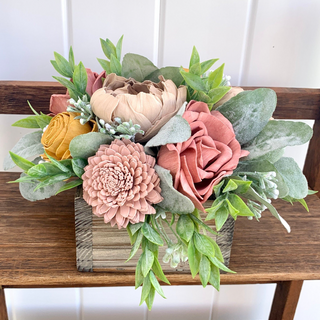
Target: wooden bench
x,y
37,240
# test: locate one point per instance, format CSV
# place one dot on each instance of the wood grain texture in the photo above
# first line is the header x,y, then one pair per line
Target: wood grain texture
x,y
293,103
103,248
312,164
37,245
285,300
3,307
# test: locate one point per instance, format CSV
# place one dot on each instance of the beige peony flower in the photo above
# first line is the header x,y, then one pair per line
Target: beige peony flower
x,y
149,104
230,94
120,183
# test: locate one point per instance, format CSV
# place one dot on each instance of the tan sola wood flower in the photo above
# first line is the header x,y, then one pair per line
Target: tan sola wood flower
x,y
120,183
149,104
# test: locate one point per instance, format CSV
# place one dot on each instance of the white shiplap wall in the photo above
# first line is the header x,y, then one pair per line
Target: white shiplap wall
x,y
263,43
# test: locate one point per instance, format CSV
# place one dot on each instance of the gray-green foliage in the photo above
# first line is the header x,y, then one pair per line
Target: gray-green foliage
x,y
249,112
173,200
83,107
276,135
177,129
28,146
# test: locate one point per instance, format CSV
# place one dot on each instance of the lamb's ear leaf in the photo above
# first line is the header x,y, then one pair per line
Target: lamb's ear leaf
x,y
249,112
278,134
173,200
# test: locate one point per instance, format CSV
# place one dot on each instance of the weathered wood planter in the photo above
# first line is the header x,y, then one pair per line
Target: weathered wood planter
x,y
103,248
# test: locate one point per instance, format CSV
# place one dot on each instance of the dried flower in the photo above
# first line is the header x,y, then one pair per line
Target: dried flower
x,y
120,183
148,104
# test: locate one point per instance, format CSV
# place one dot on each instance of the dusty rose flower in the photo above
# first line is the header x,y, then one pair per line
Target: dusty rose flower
x,y
120,183
230,94
211,153
59,102
149,104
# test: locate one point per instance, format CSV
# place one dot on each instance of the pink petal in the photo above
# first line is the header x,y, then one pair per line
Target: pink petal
x,y
59,103
224,157
197,106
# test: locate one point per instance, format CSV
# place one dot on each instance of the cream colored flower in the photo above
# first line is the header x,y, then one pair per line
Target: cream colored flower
x,y
230,94
148,104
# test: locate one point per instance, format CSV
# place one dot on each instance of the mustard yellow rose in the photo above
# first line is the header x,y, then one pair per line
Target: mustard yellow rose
x,y
149,104
60,131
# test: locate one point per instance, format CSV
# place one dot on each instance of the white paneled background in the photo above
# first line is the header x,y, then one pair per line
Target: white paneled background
x,y
263,43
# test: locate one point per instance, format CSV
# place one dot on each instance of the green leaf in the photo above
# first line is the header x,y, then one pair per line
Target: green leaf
x,y
28,146
86,145
203,244
217,94
70,185
55,65
150,298
29,122
71,59
217,251
78,165
220,265
119,48
194,258
58,164
239,204
293,177
137,67
214,208
291,200
192,80
74,94
176,130
215,77
27,190
50,180
136,245
272,156
63,65
156,268
231,185
115,65
173,201
196,69
135,227
80,78
30,106
172,73
232,210
222,215
278,134
43,170
214,278
43,120
145,289
24,179
185,227
138,274
217,188
310,192
24,164
204,270
206,65
105,65
195,58
155,284
201,224
146,261
108,48
201,96
151,234
249,112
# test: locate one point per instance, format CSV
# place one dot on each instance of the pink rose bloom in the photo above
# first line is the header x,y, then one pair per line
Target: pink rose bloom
x,y
211,153
59,102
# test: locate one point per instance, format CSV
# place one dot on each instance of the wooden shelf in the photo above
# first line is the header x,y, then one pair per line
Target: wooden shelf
x,y
37,245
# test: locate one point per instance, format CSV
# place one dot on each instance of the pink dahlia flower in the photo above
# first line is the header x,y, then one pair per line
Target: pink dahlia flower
x,y
211,153
120,183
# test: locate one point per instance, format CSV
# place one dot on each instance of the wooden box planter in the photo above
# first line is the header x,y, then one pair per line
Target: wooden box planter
x,y
103,248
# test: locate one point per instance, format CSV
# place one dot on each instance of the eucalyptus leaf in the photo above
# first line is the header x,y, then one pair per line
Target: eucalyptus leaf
x,y
176,130
172,73
86,145
272,156
28,146
293,177
137,67
173,201
276,135
249,112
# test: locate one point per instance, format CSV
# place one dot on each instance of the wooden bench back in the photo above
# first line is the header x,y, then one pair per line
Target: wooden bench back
x,y
293,103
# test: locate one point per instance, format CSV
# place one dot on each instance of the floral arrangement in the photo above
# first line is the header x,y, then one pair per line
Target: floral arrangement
x,y
144,142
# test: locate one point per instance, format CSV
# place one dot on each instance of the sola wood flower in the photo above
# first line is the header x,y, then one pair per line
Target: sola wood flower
x,y
120,183
211,153
148,104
